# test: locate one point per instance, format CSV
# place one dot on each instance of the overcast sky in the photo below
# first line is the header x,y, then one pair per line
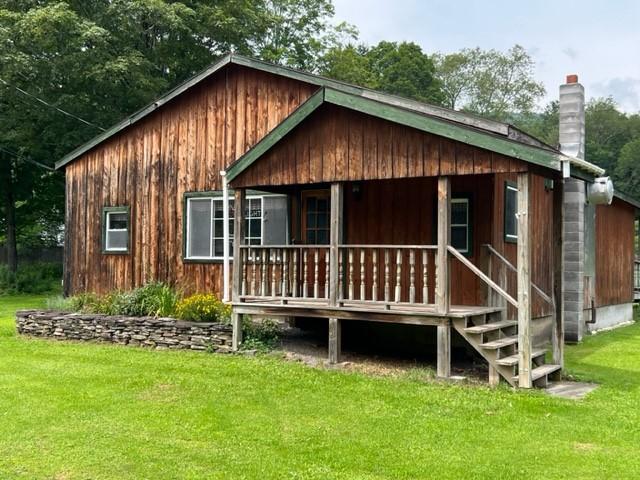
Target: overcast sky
x,y
598,40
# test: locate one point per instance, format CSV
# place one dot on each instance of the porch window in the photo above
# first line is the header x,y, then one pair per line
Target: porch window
x,y
316,221
510,209
204,223
460,225
115,230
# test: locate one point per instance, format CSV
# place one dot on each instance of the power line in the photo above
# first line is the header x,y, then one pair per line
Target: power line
x,y
44,102
27,159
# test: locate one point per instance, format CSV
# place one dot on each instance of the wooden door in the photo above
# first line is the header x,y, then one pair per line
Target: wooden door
x,y
315,217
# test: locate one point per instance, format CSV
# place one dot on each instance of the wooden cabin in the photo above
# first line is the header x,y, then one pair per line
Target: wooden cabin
x,y
294,195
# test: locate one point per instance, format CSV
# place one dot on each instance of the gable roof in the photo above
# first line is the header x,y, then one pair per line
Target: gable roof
x,y
478,129
445,128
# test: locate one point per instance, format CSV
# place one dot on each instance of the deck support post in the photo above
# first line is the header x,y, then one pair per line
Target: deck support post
x,y
524,282
443,298
335,340
443,369
494,376
335,239
557,335
238,239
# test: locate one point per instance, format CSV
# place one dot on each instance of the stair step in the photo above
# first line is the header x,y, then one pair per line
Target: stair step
x,y
490,327
502,342
512,360
541,371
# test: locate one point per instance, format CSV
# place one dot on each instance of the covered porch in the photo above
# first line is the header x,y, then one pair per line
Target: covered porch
x,y
446,283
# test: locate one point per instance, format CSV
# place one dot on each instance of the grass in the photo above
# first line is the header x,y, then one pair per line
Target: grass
x,y
90,411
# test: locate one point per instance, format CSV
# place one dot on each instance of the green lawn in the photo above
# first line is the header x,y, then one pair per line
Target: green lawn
x,y
88,411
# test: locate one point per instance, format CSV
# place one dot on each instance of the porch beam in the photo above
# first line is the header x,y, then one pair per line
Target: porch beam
x,y
524,282
238,239
443,295
557,338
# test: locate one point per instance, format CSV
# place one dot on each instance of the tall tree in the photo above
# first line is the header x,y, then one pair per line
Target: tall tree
x,y
101,60
488,82
397,68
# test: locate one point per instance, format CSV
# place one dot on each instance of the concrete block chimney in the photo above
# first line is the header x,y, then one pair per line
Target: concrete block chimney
x,y
572,144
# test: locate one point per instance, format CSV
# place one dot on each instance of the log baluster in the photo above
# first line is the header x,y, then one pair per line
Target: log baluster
x,y
274,272
425,278
398,275
263,273
245,271
285,273
351,274
340,277
326,274
294,287
387,276
374,286
305,273
412,276
252,255
316,271
362,286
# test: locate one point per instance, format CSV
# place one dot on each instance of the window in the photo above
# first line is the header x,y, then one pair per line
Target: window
x,y
510,209
115,234
460,229
316,226
204,223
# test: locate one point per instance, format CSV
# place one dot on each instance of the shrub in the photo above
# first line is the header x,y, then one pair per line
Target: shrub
x,y
261,336
203,308
153,299
38,277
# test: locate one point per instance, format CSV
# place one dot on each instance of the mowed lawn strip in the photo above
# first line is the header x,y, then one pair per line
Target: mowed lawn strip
x,y
91,411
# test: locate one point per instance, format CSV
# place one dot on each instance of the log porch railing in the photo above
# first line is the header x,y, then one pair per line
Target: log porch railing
x,y
367,274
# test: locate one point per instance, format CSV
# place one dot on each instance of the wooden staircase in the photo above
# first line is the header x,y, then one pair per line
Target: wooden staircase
x,y
497,341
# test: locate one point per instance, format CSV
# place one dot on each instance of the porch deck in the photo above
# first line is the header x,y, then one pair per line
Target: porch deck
x,y
363,311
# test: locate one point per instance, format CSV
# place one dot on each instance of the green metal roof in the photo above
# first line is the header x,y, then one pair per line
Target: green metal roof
x,y
418,114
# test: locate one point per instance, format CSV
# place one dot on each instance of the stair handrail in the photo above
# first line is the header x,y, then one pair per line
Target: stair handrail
x,y
511,267
482,276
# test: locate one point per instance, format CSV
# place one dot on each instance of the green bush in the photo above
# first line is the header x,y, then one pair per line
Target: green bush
x,y
261,336
155,299
39,277
203,308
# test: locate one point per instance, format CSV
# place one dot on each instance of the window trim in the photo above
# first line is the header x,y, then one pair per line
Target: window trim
x,y
106,211
513,186
214,194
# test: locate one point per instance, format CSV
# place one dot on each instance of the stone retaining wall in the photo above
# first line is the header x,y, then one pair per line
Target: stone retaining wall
x,y
140,331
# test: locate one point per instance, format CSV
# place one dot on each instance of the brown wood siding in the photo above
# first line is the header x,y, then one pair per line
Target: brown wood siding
x,y
180,148
614,253
336,144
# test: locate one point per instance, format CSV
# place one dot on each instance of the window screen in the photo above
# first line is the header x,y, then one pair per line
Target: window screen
x,y
510,209
116,229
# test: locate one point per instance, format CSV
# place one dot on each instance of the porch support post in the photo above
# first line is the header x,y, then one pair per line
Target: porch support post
x,y
557,335
524,282
335,340
443,369
336,235
238,239
443,297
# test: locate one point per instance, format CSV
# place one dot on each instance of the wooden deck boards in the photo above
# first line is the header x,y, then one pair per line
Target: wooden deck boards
x,y
376,312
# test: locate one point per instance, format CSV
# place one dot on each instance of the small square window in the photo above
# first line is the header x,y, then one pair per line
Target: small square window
x,y
115,230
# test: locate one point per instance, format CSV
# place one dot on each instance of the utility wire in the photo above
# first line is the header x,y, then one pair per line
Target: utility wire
x,y
44,102
27,159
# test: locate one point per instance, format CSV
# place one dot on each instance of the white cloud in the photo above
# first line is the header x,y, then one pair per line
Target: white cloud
x,y
625,91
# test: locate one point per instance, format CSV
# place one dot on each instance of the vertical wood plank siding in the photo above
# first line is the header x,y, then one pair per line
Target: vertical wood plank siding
x,y
614,253
347,145
179,148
